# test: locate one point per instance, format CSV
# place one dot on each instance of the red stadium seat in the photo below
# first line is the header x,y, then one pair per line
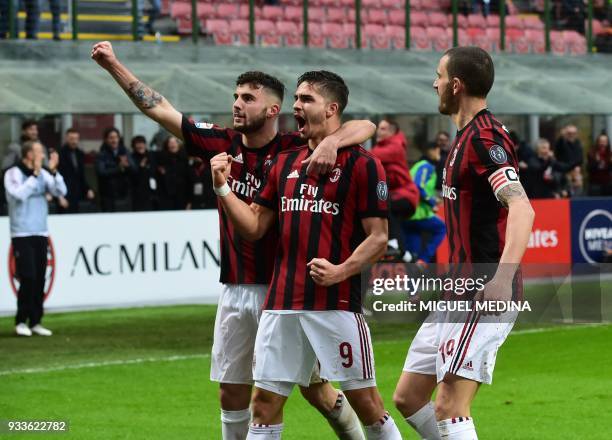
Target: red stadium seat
x,y
240,30
351,15
273,13
536,40
265,30
337,15
418,19
336,38
493,36
370,3
349,29
391,4
220,32
315,35
513,33
557,43
316,3
347,3
244,12
476,32
437,19
533,22
431,5
575,42
464,38
397,34
316,14
290,32
512,21
330,3
415,5
493,21
227,11
180,10
206,10
294,13
376,16
476,21
397,18
419,39
438,38
598,28
377,37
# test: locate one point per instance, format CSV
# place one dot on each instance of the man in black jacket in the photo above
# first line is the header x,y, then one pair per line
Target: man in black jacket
x,y
72,167
144,181
114,167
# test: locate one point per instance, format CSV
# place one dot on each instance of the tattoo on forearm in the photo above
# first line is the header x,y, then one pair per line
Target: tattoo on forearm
x,y
511,191
143,96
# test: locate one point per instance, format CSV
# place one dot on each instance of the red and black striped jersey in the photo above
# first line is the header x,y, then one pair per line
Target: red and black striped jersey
x,y
242,261
320,217
481,162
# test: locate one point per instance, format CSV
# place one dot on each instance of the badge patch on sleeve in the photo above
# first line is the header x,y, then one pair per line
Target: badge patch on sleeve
x,y
498,154
382,191
204,125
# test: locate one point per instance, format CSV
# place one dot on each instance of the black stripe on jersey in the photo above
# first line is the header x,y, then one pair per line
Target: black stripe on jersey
x,y
286,166
225,251
372,195
313,246
294,233
457,203
338,221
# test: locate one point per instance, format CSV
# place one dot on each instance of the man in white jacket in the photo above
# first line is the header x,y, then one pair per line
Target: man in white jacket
x,y
26,185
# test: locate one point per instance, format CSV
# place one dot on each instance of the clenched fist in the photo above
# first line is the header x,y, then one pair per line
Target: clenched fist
x,y
102,53
220,165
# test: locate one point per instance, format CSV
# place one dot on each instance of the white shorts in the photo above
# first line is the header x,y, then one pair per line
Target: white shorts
x,y
467,349
238,314
288,345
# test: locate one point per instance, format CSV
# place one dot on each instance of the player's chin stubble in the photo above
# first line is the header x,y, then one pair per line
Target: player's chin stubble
x,y
254,125
449,103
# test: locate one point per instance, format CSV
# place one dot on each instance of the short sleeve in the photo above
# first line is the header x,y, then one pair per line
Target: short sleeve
x,y
204,139
372,189
268,196
493,156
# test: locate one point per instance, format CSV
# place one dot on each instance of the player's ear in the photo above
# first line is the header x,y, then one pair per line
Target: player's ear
x,y
274,110
331,110
457,85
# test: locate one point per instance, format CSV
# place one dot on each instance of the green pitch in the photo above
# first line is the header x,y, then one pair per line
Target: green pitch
x,y
143,374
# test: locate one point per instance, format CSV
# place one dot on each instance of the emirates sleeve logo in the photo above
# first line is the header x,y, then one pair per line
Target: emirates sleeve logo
x,y
49,274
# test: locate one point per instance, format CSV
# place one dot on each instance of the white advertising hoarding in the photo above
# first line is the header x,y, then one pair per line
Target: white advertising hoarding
x,y
123,259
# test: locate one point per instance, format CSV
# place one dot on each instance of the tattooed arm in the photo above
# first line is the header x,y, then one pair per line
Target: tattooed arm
x,y
148,101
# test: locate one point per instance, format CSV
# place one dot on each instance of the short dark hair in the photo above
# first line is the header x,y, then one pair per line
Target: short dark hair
x,y
329,84
28,123
443,133
264,80
27,146
474,67
72,130
392,122
138,138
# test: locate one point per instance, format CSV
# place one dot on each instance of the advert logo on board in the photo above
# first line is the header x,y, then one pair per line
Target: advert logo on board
x,y
49,274
550,239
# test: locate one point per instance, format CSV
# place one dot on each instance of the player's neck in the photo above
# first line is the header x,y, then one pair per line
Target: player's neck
x,y
468,108
331,126
260,138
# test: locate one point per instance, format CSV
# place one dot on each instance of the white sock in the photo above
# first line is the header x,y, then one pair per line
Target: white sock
x,y
258,431
235,424
384,429
344,420
424,422
458,428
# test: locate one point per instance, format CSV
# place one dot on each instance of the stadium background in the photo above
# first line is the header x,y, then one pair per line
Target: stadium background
x,y
142,372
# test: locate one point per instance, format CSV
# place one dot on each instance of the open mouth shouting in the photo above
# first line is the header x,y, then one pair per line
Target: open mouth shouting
x,y
301,122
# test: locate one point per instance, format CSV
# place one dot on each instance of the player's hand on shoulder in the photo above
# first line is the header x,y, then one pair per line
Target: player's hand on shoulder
x,y
323,158
103,54
325,273
220,165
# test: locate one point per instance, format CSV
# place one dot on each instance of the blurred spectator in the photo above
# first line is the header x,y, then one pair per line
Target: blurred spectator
x,y
158,139
173,176
600,167
202,194
483,6
546,175
114,167
72,168
29,132
424,219
575,184
573,16
568,148
403,193
442,141
144,183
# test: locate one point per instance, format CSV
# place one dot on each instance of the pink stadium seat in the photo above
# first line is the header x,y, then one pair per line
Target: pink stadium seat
x,y
437,19
391,4
290,32
351,15
464,38
315,3
165,7
598,28
206,10
575,42
520,45
512,21
336,38
418,19
376,16
240,31
474,32
557,43
494,39
431,5
397,34
513,33
493,20
415,5
377,37
419,39
398,17
536,40
223,37
215,25
227,11
337,15
294,13
329,3
439,39
462,21
273,13
533,22
370,3
316,15
183,25
349,29
180,10
476,21
244,12
315,35
347,3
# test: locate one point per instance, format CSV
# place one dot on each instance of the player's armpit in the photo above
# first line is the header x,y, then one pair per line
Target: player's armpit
x,y
512,193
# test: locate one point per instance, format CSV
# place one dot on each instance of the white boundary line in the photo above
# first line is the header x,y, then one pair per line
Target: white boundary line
x,y
205,356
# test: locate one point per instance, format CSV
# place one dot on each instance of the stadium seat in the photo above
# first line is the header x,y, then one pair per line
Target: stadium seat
x,y
438,38
464,38
351,15
206,10
398,17
513,33
266,33
419,39
376,36
418,19
376,16
476,21
180,10
598,28
244,12
512,21
290,32
557,43
391,4
462,21
349,29
336,38
397,34
533,22
493,36
294,13
337,15
431,5
347,3
183,25
273,13
220,32
493,20
370,4
240,31
227,11
536,40
329,3
315,3
474,32
575,42
315,35
437,19
316,15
